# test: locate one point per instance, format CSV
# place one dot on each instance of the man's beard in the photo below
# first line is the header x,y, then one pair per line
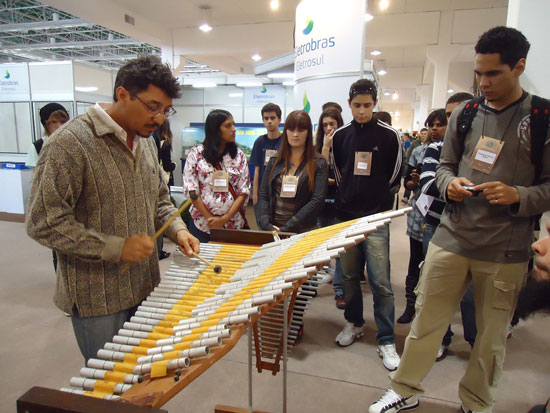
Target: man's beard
x,y
534,298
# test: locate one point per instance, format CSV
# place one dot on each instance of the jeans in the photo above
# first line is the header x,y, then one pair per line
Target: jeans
x,y
467,306
197,233
93,332
375,250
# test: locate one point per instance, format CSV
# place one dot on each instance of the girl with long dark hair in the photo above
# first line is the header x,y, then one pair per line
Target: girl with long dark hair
x,y
217,172
295,183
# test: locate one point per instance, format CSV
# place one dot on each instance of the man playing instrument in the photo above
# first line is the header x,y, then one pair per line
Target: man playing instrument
x,y
97,199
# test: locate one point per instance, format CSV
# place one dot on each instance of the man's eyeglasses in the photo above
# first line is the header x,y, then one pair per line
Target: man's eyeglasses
x,y
157,112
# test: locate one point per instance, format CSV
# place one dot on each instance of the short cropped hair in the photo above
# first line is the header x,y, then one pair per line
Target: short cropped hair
x,y
363,87
459,97
438,114
137,74
509,43
383,116
272,107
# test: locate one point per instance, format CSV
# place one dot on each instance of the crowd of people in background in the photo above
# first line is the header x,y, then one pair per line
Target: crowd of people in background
x,y
468,174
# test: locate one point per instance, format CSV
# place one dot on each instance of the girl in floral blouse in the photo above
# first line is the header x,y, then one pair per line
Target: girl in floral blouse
x,y
217,172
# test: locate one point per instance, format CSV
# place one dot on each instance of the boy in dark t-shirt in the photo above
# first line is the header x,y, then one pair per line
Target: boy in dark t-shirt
x,y
266,145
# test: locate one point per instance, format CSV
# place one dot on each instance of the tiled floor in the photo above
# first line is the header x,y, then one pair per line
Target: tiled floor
x,y
38,348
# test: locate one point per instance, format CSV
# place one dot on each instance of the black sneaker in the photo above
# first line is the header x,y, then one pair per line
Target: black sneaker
x,y
163,255
340,302
407,315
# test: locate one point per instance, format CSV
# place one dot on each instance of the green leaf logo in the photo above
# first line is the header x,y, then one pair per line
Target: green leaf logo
x,y
307,105
7,75
309,27
264,89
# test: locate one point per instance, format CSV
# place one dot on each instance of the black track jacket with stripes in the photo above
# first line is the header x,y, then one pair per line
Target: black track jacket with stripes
x,y
360,195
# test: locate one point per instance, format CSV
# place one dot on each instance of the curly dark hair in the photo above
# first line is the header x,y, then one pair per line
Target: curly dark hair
x,y
212,140
137,74
509,43
438,114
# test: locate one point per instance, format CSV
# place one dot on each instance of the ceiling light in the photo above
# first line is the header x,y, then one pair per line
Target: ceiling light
x,y
368,17
382,72
274,4
376,52
450,91
395,96
256,57
249,84
205,18
280,75
85,88
396,113
289,83
387,93
235,95
384,4
205,84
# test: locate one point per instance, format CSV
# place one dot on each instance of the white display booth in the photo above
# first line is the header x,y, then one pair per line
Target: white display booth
x,y
24,89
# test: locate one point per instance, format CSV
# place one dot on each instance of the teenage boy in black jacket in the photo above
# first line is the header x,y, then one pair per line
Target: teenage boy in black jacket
x,y
367,157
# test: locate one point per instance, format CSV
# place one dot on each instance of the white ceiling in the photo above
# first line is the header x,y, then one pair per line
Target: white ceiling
x,y
242,28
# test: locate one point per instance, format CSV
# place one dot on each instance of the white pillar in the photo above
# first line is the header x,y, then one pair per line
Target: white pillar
x,y
329,53
531,18
421,112
441,56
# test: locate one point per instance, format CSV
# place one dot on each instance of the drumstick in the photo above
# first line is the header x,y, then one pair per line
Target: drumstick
x,y
217,268
192,196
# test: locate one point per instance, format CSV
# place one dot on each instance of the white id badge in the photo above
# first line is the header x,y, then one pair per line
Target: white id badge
x,y
289,186
269,153
220,181
363,161
423,203
486,154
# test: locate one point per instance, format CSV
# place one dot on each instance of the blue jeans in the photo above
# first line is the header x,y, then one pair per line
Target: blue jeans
x,y
197,233
467,306
375,251
93,332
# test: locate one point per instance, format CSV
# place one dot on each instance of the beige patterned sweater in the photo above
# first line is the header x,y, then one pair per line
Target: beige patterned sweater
x,y
88,195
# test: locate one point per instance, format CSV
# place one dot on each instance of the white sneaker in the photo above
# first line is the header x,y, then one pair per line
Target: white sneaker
x,y
391,402
389,356
324,276
347,336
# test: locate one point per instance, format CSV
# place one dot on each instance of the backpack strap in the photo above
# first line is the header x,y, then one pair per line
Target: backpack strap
x,y
38,145
466,117
540,116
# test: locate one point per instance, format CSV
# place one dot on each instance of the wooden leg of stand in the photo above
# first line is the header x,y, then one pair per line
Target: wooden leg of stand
x,y
288,315
258,348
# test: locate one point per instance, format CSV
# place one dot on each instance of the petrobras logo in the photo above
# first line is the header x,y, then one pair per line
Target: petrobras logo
x,y
309,27
310,52
307,104
264,90
8,85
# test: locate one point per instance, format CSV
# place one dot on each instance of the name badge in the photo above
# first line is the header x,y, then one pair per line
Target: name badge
x,y
269,153
363,162
289,186
486,154
220,181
